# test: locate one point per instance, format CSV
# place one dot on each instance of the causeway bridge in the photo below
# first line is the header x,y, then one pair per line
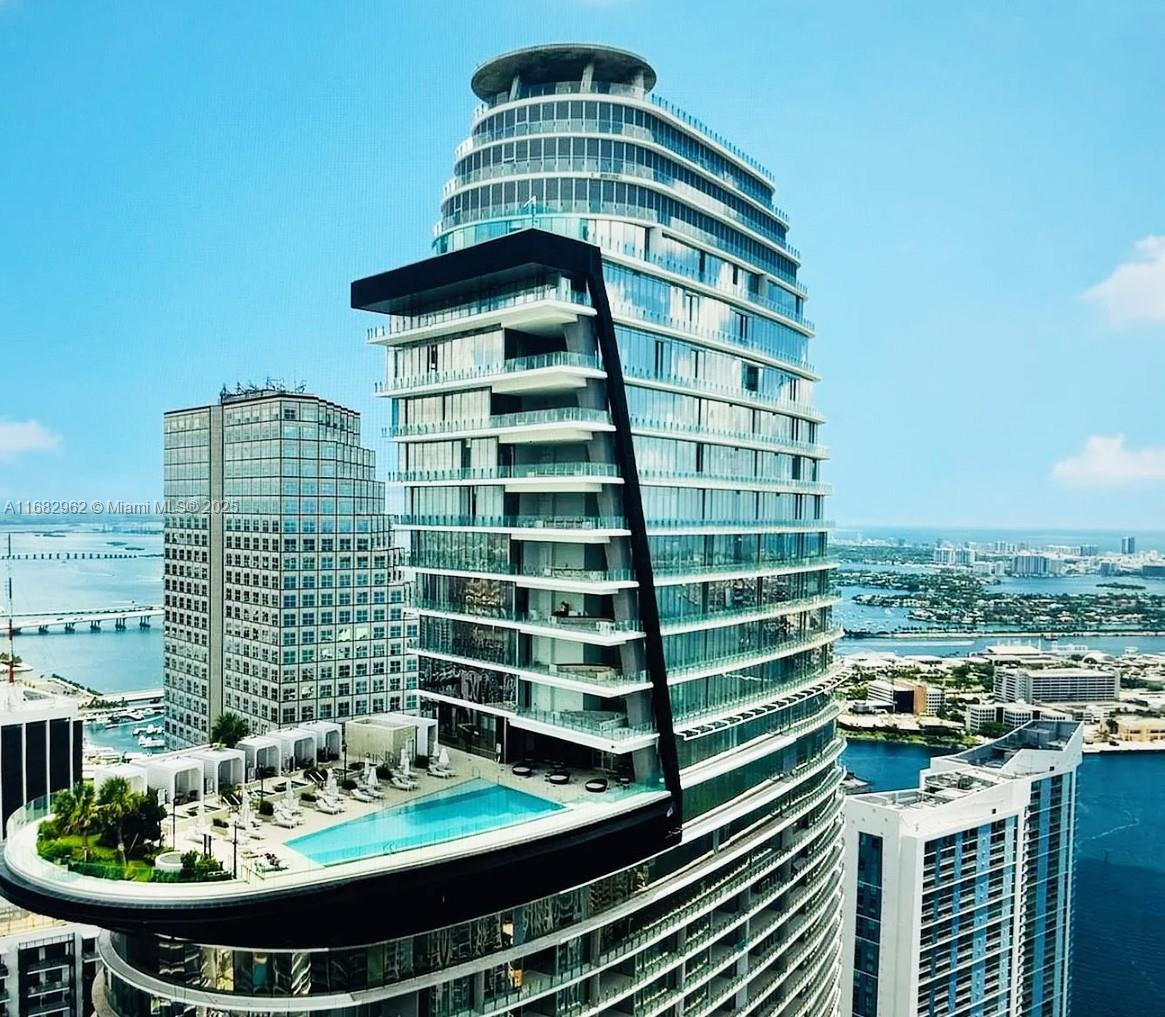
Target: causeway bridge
x,y
116,618
76,555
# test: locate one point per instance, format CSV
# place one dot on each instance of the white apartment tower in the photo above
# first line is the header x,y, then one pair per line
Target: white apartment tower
x,y
958,895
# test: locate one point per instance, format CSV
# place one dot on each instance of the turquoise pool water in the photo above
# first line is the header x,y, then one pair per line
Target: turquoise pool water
x,y
472,807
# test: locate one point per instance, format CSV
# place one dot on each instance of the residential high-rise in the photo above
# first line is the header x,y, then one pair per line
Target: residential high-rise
x,y
283,595
46,967
602,400
611,466
959,894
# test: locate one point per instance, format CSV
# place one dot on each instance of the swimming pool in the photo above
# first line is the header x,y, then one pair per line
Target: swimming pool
x,y
472,807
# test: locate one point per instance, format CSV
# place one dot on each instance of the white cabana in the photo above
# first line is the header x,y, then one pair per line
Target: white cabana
x,y
384,735
176,776
261,751
132,773
221,767
329,738
297,747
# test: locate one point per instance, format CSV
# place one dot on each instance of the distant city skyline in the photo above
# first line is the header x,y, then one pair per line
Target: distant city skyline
x,y
983,227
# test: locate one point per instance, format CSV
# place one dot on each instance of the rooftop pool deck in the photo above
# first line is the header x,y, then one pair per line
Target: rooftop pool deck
x,y
485,806
472,807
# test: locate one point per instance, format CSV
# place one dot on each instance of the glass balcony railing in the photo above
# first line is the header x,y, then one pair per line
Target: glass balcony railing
x,y
601,676
515,522
755,655
488,612
608,723
766,566
808,448
558,415
751,253
709,279
769,694
621,167
728,393
568,88
785,353
398,323
751,525
453,563
740,480
483,373
749,612
520,472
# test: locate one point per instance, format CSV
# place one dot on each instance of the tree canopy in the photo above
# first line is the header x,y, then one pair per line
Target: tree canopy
x,y
229,729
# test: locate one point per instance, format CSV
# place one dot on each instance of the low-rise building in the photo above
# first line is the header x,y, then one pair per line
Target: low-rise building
x,y
1013,715
905,696
1056,685
1140,729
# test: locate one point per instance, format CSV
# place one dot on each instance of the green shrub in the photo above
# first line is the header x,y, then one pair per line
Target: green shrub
x,y
383,772
47,830
221,823
348,784
266,807
307,796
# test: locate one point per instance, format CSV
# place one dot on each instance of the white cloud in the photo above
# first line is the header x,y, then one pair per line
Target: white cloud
x,y
1104,461
20,436
1135,292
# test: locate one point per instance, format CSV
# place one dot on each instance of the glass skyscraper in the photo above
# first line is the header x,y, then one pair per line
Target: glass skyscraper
x,y
283,596
610,461
603,404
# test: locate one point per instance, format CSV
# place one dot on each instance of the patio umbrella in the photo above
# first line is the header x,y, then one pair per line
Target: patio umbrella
x,y
370,770
331,788
443,758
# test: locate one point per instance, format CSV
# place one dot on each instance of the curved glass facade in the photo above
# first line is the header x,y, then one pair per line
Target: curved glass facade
x,y
545,551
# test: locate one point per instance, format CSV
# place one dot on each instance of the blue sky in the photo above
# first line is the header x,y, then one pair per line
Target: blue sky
x,y
976,190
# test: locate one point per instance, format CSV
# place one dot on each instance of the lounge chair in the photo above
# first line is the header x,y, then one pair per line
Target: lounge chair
x,y
401,784
329,806
443,772
361,795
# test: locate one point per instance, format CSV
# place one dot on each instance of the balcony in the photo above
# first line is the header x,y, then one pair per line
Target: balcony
x,y
740,439
752,219
541,310
605,730
591,679
600,631
564,424
748,658
547,372
689,478
788,355
547,577
682,525
568,529
732,394
672,573
534,477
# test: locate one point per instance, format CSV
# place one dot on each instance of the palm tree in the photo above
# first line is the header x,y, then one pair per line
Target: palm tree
x,y
116,802
229,729
64,808
84,812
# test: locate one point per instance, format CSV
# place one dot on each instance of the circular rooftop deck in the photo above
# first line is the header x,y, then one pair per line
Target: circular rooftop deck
x,y
561,62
